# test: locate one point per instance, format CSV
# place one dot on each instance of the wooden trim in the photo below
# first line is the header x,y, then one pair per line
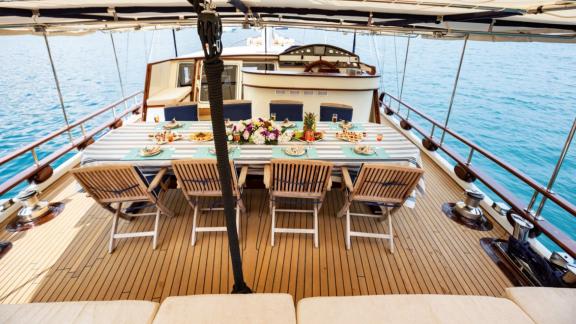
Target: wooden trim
x,y
335,105
146,90
309,74
286,102
300,88
236,101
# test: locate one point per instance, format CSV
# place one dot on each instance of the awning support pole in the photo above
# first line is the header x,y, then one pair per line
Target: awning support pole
x,y
55,75
210,33
174,41
404,76
119,74
557,168
454,88
354,43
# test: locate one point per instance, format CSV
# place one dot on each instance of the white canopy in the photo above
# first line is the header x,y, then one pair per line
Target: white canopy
x,y
524,20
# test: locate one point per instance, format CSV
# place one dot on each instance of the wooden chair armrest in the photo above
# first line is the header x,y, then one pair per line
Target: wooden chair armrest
x,y
157,179
346,178
329,184
267,176
242,177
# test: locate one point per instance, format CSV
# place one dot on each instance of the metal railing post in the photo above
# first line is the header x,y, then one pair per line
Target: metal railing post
x,y
404,76
558,166
119,74
454,88
60,97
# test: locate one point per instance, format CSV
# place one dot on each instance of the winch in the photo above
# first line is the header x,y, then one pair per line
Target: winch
x,y
470,207
33,207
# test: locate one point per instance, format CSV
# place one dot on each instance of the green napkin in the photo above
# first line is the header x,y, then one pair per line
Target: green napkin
x,y
278,153
379,153
134,154
204,153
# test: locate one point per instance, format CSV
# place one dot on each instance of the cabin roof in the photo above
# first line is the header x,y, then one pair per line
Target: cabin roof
x,y
492,20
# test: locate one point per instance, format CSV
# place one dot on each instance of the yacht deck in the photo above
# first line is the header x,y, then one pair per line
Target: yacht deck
x,y
67,259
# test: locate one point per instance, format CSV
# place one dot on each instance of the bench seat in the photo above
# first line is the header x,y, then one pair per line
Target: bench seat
x,y
249,309
545,305
168,97
85,312
410,309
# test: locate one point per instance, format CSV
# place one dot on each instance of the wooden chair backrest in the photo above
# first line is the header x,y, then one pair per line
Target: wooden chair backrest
x,y
300,178
385,183
200,177
113,183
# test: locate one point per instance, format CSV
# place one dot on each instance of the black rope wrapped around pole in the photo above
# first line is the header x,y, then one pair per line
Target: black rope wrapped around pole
x,y
210,32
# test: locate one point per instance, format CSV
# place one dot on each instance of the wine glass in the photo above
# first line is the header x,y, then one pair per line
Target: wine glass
x,y
273,116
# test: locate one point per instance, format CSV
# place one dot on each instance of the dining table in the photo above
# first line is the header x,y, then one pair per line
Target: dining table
x,y
122,145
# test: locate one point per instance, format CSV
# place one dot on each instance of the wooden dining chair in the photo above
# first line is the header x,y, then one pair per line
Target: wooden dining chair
x,y
386,185
123,185
237,109
300,179
198,178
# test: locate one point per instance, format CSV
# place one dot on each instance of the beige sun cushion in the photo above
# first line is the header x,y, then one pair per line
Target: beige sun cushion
x,y
410,309
94,312
546,305
253,309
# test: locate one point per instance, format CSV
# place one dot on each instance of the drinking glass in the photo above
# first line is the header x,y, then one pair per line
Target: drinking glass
x,y
156,119
273,116
334,118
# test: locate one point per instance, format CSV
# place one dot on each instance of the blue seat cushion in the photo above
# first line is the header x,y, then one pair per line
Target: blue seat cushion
x,y
292,111
326,112
238,111
182,113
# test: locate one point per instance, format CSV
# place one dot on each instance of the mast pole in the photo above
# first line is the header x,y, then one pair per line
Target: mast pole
x,y
174,41
454,88
404,76
119,74
557,168
57,82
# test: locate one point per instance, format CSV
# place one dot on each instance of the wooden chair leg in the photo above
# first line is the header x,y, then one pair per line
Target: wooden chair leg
x,y
194,224
344,208
156,223
273,212
348,243
114,228
390,231
315,226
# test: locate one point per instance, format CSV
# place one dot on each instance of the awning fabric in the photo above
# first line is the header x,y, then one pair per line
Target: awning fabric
x,y
493,20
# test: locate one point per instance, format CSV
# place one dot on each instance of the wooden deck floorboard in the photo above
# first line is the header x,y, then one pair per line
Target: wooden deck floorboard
x,y
67,258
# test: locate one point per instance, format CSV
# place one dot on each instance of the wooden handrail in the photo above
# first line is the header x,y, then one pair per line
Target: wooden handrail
x,y
560,201
14,154
552,231
30,171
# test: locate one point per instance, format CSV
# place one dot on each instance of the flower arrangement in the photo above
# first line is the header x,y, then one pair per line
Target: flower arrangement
x,y
258,131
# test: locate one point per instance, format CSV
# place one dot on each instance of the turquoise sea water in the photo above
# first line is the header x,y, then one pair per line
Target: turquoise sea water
x,y
518,100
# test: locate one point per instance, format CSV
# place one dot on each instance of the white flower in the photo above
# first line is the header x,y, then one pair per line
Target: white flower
x,y
241,127
246,135
285,138
230,137
258,139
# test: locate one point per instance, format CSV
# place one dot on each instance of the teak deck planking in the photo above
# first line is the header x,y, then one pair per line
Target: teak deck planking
x,y
67,258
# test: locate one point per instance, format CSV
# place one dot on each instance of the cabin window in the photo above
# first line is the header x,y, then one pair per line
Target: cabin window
x,y
185,74
229,79
259,66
